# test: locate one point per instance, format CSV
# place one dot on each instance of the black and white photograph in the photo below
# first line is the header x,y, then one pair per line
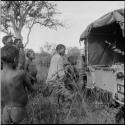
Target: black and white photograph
x,y
62,62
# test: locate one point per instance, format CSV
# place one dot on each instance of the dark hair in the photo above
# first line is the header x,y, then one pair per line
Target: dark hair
x,y
9,53
28,52
5,38
60,46
16,40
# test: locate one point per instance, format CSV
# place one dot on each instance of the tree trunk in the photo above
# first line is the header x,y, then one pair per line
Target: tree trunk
x,y
18,34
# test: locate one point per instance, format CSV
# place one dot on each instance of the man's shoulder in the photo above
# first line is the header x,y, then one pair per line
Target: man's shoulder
x,y
20,73
28,60
56,56
13,74
56,59
21,53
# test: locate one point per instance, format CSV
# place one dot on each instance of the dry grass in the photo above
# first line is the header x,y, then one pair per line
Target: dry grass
x,y
79,107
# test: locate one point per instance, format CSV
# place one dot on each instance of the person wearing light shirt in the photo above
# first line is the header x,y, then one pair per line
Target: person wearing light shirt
x,y
57,63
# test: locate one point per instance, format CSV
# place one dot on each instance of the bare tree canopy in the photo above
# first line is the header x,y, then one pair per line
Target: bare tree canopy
x,y
17,14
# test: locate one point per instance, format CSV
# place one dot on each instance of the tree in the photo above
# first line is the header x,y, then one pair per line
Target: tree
x,y
15,15
49,47
73,54
74,51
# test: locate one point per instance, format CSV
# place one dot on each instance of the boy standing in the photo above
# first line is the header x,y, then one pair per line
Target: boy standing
x,y
13,87
58,60
30,66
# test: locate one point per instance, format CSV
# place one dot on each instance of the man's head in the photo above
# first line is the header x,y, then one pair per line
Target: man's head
x,y
61,49
18,43
7,40
30,54
9,55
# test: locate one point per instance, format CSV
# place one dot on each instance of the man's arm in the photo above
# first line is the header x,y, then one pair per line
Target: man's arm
x,y
27,83
22,59
26,65
60,67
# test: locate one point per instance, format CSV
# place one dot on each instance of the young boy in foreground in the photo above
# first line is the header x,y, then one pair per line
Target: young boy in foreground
x,y
13,87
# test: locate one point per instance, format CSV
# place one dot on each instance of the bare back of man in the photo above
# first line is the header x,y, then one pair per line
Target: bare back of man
x,y
14,95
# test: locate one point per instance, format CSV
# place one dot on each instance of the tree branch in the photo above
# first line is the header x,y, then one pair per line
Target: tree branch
x,y
9,17
30,28
53,23
28,13
27,10
6,15
4,31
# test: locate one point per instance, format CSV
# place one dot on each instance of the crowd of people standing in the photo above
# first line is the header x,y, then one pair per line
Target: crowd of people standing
x,y
18,76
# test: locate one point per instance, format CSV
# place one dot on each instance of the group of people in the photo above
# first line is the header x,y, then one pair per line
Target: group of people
x,y
18,77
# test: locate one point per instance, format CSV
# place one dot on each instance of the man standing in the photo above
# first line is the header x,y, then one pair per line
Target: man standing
x,y
56,71
14,86
6,40
57,63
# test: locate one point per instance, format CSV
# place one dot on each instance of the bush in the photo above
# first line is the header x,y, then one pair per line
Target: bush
x,y
77,107
44,59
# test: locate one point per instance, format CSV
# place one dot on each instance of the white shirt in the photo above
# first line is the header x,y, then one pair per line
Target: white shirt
x,y
56,67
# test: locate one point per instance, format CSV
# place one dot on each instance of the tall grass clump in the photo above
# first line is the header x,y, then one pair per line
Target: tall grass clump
x,y
64,101
69,98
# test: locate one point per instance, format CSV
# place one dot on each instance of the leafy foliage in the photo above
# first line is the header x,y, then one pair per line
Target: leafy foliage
x,y
18,14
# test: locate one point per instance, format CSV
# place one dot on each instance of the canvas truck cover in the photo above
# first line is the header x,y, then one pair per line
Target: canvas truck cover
x,y
104,39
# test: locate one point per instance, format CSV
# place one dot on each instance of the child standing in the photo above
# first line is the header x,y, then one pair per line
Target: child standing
x,y
30,66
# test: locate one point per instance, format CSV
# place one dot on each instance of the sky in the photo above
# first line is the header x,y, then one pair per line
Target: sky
x,y
76,15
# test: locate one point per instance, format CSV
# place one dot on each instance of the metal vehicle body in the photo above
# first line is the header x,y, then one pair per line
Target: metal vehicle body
x,y
104,54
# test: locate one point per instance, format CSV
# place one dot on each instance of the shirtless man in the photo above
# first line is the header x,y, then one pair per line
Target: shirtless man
x,y
6,40
14,87
30,66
